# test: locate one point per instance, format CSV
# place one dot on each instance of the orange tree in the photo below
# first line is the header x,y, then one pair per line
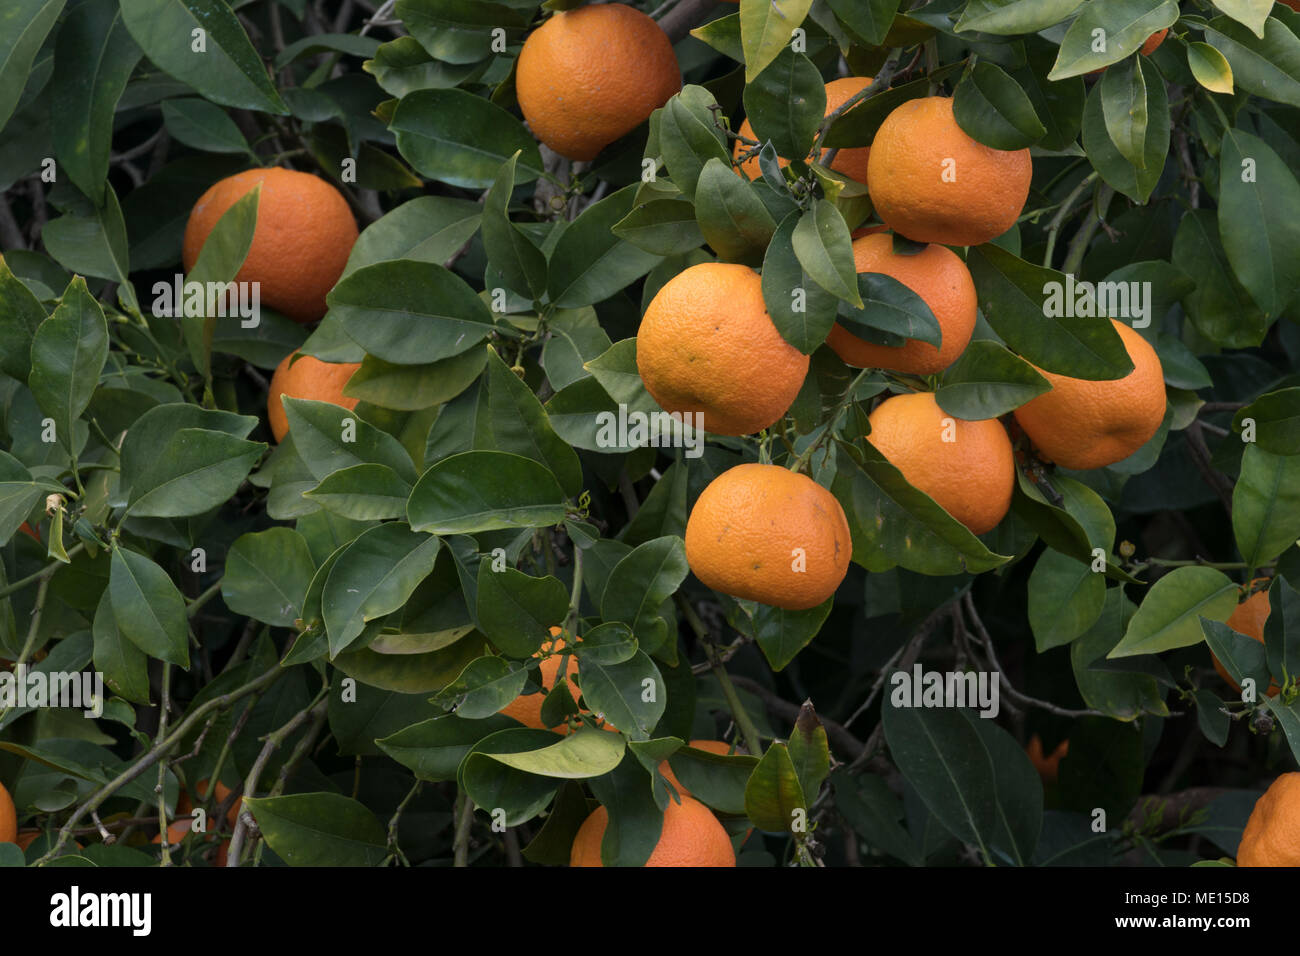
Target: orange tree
x,y
983,374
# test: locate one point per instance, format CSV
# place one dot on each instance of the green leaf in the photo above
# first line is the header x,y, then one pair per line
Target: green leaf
x,y
509,418
434,748
858,126
1275,418
1012,297
870,20
460,31
1266,505
825,252
1066,598
226,70
1170,613
585,266
124,666
492,785
1268,67
610,643
1124,24
1011,17
402,66
689,138
1120,693
942,756
374,576
68,353
1259,202
801,309
202,125
24,24
194,471
895,524
93,245
414,387
483,491
347,43
329,437
723,34
661,227
809,750
1058,105
1210,67
1241,656
148,609
21,313
1125,110
366,492
462,139
485,686
219,261
319,829
1019,792
890,310
732,218
410,313
576,338
765,29
1219,307
267,575
426,229
93,59
631,695
1104,767
520,263
640,584
585,753
987,381
870,808
774,797
516,611
992,109
1252,13
782,634
784,104
1118,171
153,430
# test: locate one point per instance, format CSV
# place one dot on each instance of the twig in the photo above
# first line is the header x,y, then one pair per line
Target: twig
x,y
464,822
683,18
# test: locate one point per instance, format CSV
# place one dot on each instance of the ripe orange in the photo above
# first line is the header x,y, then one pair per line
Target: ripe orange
x,y
305,232
768,534
691,836
1154,40
1272,833
931,182
1047,765
527,708
185,806
8,817
177,831
706,344
588,76
1081,424
852,162
1248,618
712,746
306,378
966,467
938,276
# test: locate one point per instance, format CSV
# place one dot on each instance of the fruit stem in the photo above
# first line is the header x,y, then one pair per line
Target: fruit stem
x,y
1079,244
798,463
1054,226
575,597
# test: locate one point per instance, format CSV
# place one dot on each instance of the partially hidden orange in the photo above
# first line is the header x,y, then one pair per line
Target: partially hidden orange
x,y
1249,618
304,235
851,161
941,279
310,378
1272,833
8,817
691,836
967,467
712,746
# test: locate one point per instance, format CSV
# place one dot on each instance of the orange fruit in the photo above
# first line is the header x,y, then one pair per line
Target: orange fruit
x,y
589,76
938,276
309,378
1154,40
1082,424
8,817
185,806
1272,833
177,831
967,467
527,708
931,182
852,162
1248,618
765,533
707,345
691,836
305,232
712,746
31,532
1046,765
